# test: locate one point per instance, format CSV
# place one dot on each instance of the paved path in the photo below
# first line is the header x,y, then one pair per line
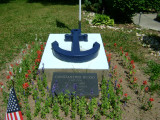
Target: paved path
x,y
147,21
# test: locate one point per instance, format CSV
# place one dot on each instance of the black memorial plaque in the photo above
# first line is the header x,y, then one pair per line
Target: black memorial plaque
x,y
81,84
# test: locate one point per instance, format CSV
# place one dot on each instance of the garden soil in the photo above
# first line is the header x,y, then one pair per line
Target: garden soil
x,y
131,111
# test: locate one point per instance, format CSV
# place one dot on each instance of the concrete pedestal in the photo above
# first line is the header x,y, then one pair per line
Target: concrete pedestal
x,y
52,64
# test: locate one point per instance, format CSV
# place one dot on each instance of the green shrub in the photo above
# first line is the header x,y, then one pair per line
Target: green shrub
x,y
93,5
122,10
152,5
158,17
153,70
4,1
102,20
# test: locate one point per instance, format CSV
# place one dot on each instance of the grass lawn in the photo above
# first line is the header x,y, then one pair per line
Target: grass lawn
x,y
21,22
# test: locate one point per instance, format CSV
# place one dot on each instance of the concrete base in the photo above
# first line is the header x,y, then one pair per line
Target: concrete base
x,y
51,64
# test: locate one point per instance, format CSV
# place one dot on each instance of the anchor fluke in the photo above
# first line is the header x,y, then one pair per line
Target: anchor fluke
x,y
75,55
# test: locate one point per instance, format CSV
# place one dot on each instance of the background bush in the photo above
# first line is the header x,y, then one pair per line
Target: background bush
x,y
158,16
100,19
4,1
55,1
122,10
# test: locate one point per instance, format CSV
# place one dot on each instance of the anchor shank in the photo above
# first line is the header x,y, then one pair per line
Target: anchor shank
x,y
75,43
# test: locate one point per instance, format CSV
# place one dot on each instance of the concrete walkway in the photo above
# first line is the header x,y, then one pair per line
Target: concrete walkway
x,y
147,21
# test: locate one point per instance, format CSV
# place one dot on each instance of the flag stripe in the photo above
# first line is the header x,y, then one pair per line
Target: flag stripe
x,y
13,109
15,115
20,114
11,116
6,116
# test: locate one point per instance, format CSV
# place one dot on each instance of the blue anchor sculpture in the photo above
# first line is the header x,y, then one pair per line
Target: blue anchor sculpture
x,y
75,55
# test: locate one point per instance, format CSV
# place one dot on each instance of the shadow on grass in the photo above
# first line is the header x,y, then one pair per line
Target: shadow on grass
x,y
54,2
61,25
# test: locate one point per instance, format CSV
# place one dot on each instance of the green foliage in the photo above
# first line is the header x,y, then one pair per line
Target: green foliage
x,y
4,1
151,5
153,70
158,16
93,5
102,20
37,107
122,10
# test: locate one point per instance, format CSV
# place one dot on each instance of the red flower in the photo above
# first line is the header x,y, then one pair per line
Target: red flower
x,y
26,75
42,48
126,54
145,82
105,51
25,85
115,73
115,44
146,89
17,64
125,94
133,72
38,60
29,71
12,65
33,67
109,55
45,43
8,77
118,85
132,62
104,44
1,83
133,66
122,51
121,48
29,46
120,80
115,67
39,52
151,99
109,59
23,51
39,56
135,80
10,73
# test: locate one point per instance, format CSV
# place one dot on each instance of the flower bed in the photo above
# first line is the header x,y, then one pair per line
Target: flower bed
x,y
38,102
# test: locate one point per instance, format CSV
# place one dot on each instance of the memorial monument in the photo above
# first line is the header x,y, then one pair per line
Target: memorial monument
x,y
74,62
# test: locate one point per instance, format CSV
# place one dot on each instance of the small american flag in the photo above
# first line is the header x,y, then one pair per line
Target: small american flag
x,y
13,109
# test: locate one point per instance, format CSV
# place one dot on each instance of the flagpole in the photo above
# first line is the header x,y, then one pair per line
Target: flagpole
x,y
80,14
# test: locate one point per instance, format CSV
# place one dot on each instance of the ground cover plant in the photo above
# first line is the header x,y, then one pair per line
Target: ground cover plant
x,y
125,94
